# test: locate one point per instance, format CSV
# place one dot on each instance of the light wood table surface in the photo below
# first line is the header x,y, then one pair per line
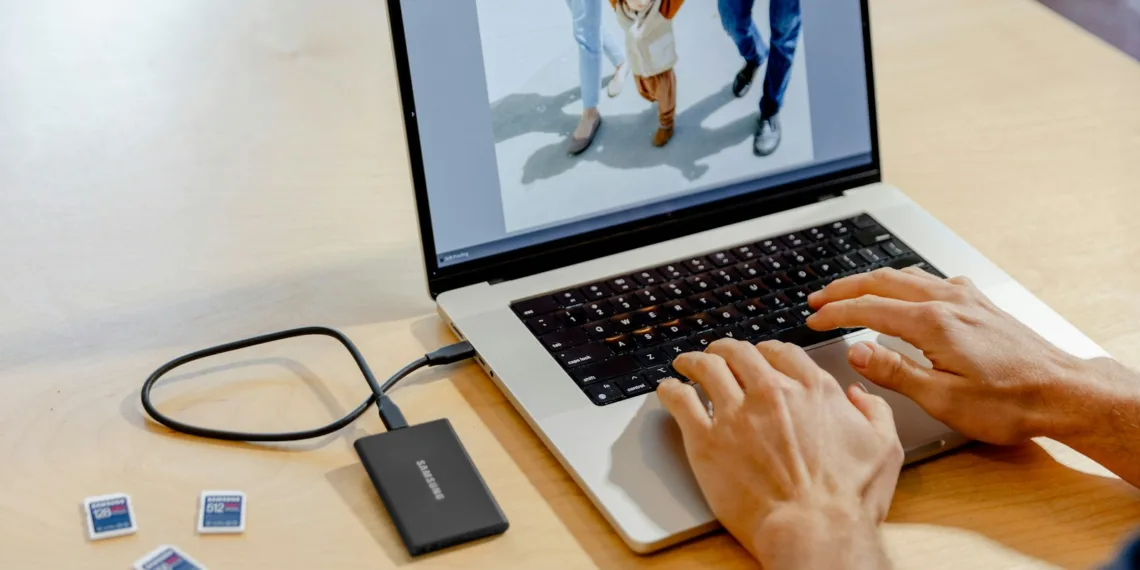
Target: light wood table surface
x,y
182,173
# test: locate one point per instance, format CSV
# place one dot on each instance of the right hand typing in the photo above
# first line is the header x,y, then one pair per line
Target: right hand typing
x,y
993,380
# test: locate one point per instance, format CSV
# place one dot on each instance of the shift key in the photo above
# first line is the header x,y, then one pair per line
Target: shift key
x,y
624,364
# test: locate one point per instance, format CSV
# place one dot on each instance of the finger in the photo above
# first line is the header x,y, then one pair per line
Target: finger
x,y
713,374
875,409
683,403
894,371
751,370
921,273
886,282
792,361
890,316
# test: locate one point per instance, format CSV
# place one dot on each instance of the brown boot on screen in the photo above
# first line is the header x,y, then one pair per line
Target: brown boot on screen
x,y
663,135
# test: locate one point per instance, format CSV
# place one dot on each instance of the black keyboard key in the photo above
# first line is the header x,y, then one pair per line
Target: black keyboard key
x,y
838,229
674,329
802,275
704,301
583,355
802,312
698,265
722,258
600,329
753,288
821,251
652,315
770,246
729,294
677,348
794,240
598,310
651,357
703,340
727,314
731,332
603,393
658,374
818,284
799,257
616,366
798,295
544,324
621,285
894,248
648,278
826,268
871,254
816,234
774,263
914,261
725,276
745,252
863,221
574,317
842,244
675,289
806,337
847,262
562,340
872,236
750,269
625,322
775,301
634,385
596,291
700,321
679,308
650,296
569,298
535,307
647,337
620,344
751,308
755,329
672,271
627,302
700,283
777,281
781,320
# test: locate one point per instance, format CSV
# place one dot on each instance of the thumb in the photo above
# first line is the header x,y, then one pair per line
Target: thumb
x,y
892,370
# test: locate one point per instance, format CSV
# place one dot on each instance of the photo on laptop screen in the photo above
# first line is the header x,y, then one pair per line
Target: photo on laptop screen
x,y
660,75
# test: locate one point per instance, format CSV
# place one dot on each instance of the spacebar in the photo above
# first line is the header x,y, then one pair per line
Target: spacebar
x,y
806,337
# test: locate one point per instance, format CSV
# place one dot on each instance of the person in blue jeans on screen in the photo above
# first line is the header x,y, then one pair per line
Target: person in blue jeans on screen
x,y
784,19
593,39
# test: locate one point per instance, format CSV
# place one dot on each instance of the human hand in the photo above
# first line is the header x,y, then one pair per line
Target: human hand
x,y
790,465
993,379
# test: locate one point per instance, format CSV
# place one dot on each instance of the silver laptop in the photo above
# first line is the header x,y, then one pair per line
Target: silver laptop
x,y
578,276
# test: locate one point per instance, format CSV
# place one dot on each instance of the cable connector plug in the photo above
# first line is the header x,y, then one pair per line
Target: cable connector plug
x,y
450,354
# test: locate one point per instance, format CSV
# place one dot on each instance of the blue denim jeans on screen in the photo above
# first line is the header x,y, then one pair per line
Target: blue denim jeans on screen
x,y
784,16
593,37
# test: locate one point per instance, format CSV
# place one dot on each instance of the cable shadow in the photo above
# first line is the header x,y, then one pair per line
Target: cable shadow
x,y
131,410
340,294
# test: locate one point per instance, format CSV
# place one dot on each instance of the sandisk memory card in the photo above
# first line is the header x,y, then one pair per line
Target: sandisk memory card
x,y
109,516
167,557
221,512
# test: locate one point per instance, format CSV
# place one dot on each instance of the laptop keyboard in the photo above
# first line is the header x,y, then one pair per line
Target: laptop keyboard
x,y
617,337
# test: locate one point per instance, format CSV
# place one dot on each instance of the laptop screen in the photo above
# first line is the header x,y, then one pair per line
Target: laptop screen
x,y
539,120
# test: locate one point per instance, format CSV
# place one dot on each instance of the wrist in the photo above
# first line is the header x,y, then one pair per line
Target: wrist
x,y
830,534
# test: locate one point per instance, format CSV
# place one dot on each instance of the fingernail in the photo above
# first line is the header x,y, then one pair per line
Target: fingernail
x,y
861,387
859,355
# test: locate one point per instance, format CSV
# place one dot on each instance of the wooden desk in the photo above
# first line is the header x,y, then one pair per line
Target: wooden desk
x,y
176,174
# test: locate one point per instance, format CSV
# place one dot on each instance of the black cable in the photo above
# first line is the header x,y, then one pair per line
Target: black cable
x,y
390,414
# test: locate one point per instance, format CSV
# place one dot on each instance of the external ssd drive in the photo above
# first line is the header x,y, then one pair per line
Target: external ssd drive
x,y
429,485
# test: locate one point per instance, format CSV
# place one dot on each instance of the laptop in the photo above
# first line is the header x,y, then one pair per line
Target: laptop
x,y
579,274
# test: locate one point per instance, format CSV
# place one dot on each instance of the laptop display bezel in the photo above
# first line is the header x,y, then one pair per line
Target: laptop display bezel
x,y
623,237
